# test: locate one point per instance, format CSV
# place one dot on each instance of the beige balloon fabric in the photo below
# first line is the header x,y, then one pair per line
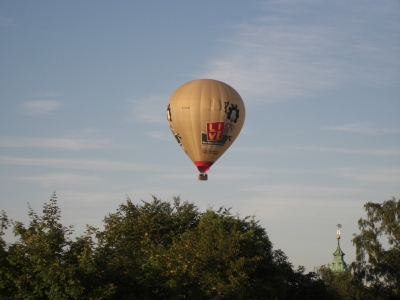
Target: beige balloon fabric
x,y
205,117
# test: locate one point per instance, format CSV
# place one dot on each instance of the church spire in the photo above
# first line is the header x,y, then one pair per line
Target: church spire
x,y
338,265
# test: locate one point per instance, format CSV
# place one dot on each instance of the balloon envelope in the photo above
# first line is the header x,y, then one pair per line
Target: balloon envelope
x,y
205,117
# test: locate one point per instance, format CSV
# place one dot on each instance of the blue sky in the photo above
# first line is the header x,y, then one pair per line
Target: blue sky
x,y
84,87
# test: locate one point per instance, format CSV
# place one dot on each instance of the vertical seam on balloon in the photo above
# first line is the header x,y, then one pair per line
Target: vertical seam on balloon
x,y
199,149
210,83
191,119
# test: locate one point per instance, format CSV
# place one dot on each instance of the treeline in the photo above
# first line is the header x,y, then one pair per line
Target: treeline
x,y
164,250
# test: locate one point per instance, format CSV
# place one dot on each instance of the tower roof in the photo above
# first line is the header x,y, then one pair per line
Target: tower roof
x,y
338,265
338,251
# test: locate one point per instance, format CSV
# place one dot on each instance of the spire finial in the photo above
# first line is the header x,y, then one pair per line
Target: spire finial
x,y
338,231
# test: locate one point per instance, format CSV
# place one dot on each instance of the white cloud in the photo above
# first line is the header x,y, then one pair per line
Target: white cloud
x,y
284,56
47,94
275,62
160,135
57,179
276,150
77,164
149,110
54,143
389,175
362,128
378,152
292,192
39,107
299,201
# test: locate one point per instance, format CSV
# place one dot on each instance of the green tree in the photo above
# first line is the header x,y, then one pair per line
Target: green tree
x,y
159,250
224,257
132,242
151,250
379,268
45,263
344,285
7,288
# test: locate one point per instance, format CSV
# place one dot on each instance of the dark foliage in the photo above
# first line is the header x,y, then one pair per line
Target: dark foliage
x,y
377,267
152,250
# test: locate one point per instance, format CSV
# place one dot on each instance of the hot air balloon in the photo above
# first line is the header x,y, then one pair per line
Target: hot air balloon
x,y
205,117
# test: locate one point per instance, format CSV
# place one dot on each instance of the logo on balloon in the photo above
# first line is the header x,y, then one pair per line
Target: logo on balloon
x,y
215,131
214,135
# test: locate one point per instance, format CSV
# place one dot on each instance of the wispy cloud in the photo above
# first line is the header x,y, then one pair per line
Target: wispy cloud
x,y
46,94
149,110
57,179
275,61
283,56
390,175
53,143
39,107
379,152
362,128
292,192
276,150
295,200
287,150
109,199
78,164
160,135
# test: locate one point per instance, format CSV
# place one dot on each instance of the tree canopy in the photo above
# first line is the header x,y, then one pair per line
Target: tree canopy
x,y
375,266
171,250
151,250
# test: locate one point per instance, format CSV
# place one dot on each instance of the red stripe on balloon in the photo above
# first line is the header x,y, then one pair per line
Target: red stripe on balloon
x,y
203,166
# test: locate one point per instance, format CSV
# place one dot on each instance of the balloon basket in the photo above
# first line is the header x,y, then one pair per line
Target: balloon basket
x,y
203,176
